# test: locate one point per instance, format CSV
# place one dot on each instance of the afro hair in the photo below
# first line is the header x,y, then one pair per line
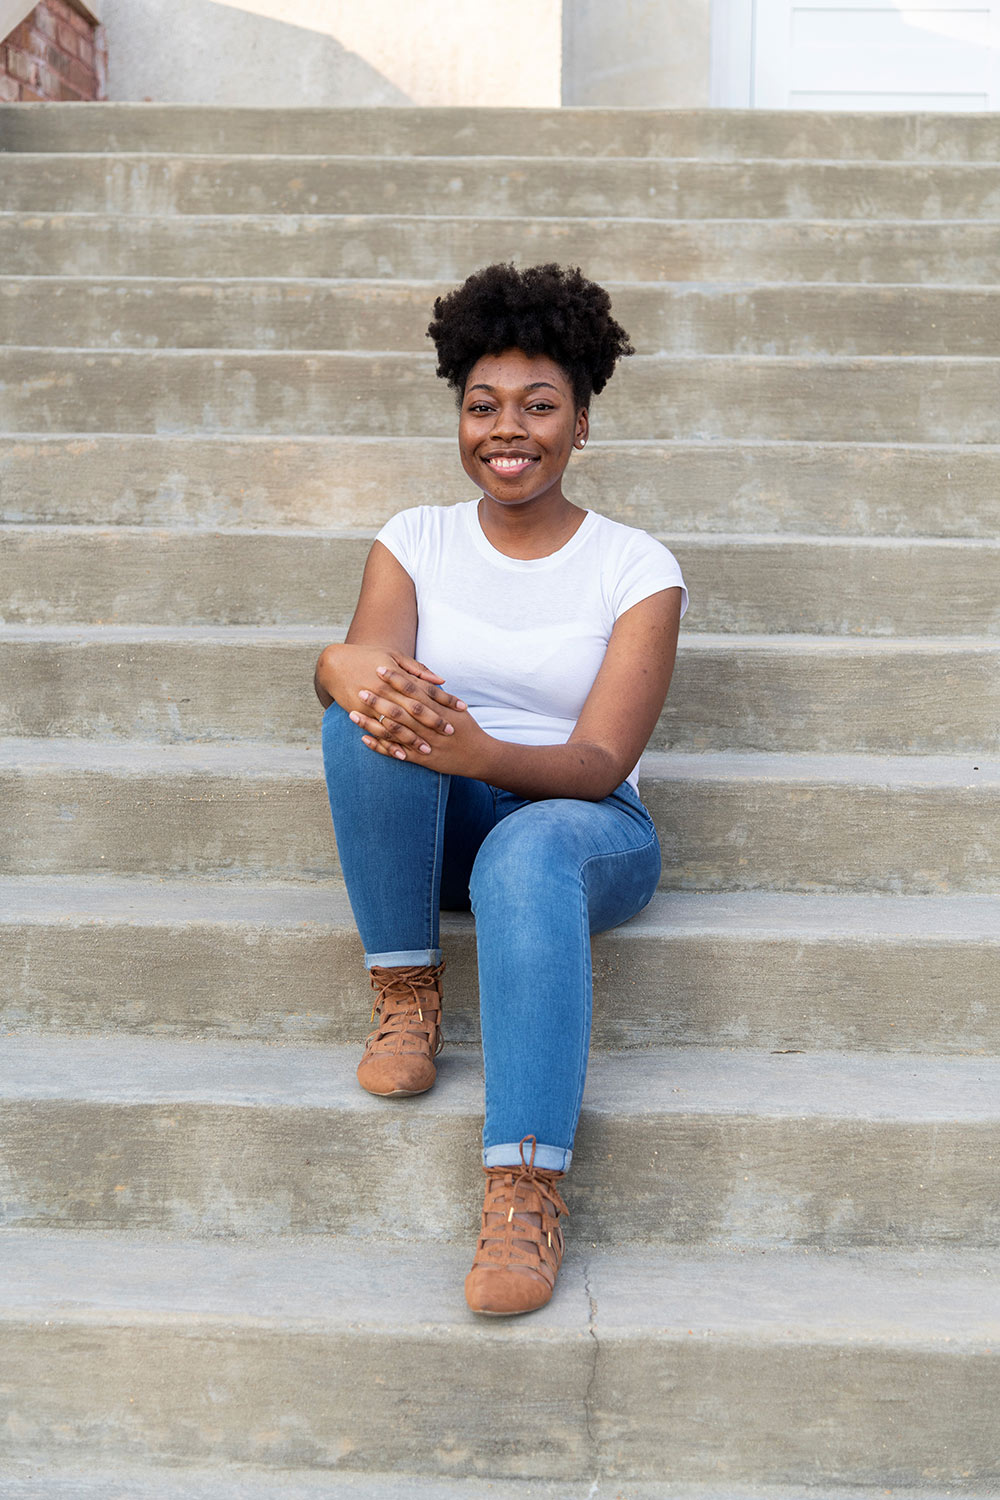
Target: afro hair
x,y
540,310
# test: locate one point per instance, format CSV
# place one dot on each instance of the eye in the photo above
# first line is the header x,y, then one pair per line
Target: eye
x,y
542,406
478,407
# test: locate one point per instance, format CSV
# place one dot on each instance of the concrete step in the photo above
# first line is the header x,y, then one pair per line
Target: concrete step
x,y
298,313
239,1482
701,486
124,575
906,825
684,1145
395,246
949,400
39,1481
729,692
761,970
498,186
783,1346
729,134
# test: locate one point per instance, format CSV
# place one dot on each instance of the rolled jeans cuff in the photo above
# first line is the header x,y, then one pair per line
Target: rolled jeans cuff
x,y
405,958
549,1158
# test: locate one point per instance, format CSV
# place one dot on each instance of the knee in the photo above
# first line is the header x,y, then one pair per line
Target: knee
x,y
342,744
520,861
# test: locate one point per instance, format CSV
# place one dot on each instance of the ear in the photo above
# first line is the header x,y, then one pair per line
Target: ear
x,y
582,428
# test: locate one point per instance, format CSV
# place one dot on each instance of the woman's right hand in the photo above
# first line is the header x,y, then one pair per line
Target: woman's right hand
x,y
344,673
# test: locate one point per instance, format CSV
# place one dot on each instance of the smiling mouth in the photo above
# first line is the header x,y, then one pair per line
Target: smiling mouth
x,y
513,465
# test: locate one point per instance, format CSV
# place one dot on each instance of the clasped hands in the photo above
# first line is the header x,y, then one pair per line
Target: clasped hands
x,y
409,715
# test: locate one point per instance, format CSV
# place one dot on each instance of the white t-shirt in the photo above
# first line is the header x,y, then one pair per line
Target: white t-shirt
x,y
521,640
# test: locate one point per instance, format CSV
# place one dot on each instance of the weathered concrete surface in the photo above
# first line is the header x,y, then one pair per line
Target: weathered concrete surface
x,y
299,313
905,825
294,1340
765,487
498,186
840,586
241,1482
706,1145
729,134
832,1073
369,395
272,962
785,693
644,249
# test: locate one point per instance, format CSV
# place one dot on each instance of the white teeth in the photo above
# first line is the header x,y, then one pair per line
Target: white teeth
x,y
509,463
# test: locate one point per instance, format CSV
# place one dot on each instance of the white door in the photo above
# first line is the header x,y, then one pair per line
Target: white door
x,y
861,54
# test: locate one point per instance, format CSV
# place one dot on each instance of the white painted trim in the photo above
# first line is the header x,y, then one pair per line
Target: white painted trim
x,y
732,47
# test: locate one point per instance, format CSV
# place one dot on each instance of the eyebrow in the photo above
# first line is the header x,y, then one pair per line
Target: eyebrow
x,y
536,385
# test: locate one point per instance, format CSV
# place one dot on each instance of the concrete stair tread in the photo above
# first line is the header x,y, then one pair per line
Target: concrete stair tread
x,y
275,760
686,1081
501,185
236,1482
153,901
761,485
701,642
948,1300
419,131
253,959
874,398
316,313
755,251
706,541
741,584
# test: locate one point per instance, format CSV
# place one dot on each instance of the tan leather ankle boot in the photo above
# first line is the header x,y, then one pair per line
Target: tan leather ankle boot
x,y
400,1052
520,1245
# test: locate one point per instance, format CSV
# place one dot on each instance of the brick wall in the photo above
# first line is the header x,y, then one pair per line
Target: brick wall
x,y
57,52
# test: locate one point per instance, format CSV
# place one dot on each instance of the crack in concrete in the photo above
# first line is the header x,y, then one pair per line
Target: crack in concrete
x,y
588,1396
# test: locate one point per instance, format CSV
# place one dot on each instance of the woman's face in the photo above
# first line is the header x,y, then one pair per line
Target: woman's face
x,y
518,426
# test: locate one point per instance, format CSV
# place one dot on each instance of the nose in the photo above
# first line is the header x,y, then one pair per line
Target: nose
x,y
508,422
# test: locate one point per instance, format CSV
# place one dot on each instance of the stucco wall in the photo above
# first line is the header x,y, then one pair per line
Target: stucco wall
x,y
289,52
639,52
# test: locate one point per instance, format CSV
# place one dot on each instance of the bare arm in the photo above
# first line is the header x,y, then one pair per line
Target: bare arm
x,y
383,632
610,735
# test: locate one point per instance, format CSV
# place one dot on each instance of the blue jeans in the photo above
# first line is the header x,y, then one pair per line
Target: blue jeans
x,y
539,877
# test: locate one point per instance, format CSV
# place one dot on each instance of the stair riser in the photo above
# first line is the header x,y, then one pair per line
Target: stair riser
x,y
787,320
323,482
449,248
499,186
692,1179
398,395
854,588
83,1389
722,134
717,834
226,980
905,701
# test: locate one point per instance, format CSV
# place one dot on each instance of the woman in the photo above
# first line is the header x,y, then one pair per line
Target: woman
x,y
558,629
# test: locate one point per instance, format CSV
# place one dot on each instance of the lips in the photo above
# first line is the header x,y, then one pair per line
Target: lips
x,y
509,463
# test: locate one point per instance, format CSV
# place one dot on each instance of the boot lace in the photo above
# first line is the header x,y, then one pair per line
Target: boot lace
x,y
522,1191
400,1002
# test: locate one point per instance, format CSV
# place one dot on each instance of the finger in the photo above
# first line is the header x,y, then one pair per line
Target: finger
x,y
428,717
410,664
415,709
381,726
375,740
390,712
383,747
404,683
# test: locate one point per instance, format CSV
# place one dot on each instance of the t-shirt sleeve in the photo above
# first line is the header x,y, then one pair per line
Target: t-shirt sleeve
x,y
400,535
645,567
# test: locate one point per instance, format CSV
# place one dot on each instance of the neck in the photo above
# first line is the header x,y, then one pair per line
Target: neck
x,y
535,529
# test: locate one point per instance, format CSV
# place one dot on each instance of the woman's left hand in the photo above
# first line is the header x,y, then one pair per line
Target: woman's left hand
x,y
403,721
